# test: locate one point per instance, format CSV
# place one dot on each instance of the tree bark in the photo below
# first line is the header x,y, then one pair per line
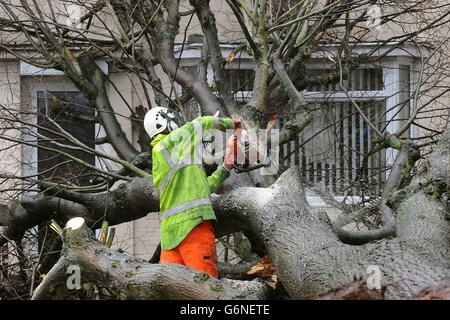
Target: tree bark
x,y
125,277
307,254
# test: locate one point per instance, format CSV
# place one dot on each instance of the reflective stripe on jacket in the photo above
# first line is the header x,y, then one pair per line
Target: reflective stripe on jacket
x,y
181,180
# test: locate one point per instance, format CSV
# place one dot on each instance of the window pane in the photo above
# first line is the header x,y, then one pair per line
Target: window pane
x,y
67,109
368,79
331,150
239,79
405,95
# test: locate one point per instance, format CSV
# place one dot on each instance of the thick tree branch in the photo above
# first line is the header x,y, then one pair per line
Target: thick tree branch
x,y
302,115
163,36
207,20
405,159
106,114
127,278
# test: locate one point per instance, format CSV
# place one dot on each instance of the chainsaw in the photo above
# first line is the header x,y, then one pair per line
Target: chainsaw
x,y
247,146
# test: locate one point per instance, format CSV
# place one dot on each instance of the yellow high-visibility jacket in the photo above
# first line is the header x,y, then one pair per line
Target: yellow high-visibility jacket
x,y
181,180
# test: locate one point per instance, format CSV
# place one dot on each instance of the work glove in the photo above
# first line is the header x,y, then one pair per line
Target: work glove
x,y
232,150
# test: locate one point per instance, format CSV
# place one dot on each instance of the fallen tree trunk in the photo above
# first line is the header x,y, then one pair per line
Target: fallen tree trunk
x,y
129,201
125,277
357,290
308,257
307,254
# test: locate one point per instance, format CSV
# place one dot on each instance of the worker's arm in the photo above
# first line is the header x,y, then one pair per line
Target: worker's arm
x,y
211,122
217,178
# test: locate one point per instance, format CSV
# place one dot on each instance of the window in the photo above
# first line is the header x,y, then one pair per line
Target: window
x,y
70,110
240,79
405,95
332,151
364,79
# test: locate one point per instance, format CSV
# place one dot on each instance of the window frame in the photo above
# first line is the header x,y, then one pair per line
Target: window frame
x,y
56,83
393,57
191,54
390,94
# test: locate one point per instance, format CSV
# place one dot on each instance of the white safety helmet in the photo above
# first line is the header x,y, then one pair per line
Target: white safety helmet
x,y
157,120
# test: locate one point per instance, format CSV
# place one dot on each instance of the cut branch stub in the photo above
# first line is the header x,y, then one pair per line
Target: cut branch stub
x,y
77,232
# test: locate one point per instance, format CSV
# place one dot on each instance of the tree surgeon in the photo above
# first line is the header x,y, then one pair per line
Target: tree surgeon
x,y
186,214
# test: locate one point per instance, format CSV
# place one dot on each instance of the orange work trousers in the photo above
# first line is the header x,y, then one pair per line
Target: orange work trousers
x,y
196,251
